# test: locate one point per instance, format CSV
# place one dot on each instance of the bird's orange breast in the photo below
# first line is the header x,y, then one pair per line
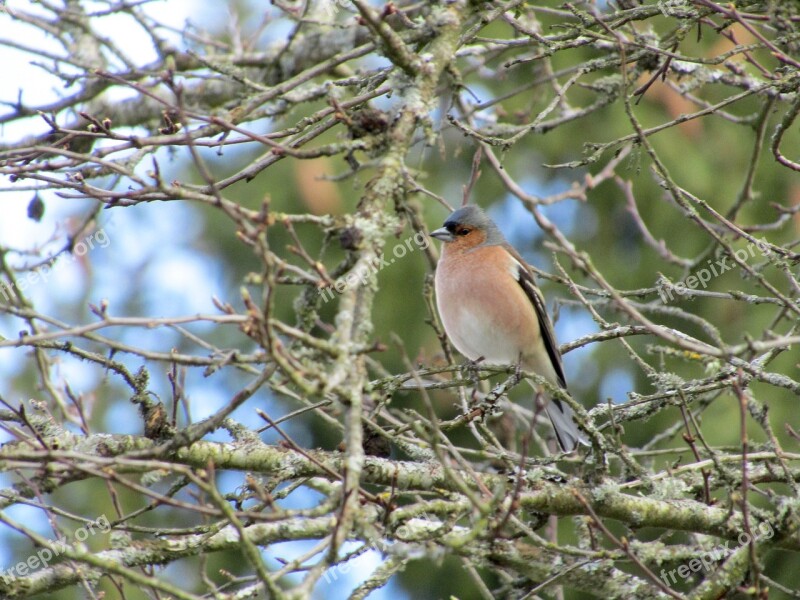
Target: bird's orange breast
x,y
483,308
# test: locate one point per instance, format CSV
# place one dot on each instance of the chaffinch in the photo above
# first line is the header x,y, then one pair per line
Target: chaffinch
x,y
492,309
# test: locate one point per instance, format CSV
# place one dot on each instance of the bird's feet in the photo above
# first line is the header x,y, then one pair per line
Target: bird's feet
x,y
518,371
471,369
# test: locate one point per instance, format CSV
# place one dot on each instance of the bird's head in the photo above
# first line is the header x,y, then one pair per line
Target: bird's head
x,y
467,228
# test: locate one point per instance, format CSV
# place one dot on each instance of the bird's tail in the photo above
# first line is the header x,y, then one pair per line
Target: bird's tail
x,y
567,432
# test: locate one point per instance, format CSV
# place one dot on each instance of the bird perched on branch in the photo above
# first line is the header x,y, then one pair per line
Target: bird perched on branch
x,y
492,309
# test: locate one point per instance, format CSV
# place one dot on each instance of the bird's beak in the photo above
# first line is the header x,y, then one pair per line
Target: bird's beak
x,y
443,234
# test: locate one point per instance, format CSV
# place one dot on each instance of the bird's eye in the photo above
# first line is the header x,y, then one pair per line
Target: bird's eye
x,y
463,231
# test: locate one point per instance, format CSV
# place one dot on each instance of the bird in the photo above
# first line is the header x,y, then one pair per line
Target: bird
x,y
492,309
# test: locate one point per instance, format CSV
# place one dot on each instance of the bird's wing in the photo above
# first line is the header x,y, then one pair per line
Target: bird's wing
x,y
525,279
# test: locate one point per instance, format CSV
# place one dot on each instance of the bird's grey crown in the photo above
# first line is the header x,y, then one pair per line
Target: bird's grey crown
x,y
474,217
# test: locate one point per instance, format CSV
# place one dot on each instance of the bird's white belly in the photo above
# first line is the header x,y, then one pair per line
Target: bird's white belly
x,y
475,336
